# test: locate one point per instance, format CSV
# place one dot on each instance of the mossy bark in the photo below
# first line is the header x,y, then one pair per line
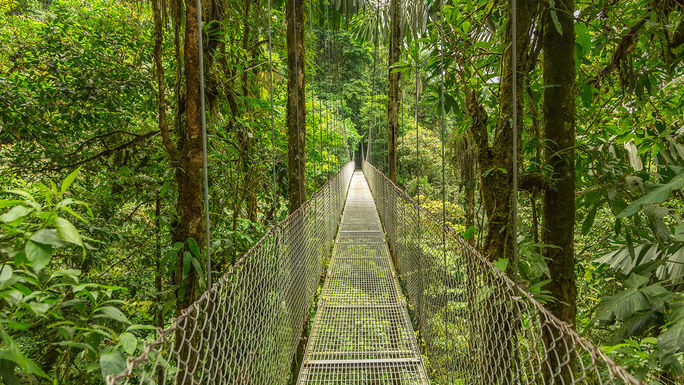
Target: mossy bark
x,y
296,103
189,179
558,209
296,135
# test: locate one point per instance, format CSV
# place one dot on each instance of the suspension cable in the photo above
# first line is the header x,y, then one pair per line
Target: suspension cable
x,y
273,140
331,101
415,117
514,96
313,80
205,167
335,60
343,120
442,142
327,58
369,149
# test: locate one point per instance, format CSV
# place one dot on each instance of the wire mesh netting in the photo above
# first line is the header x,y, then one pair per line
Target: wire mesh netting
x,y
476,326
362,333
246,328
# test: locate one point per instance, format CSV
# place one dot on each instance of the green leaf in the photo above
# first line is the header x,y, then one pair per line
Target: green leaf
x,y
140,327
9,202
47,237
66,183
636,281
18,325
128,342
198,269
501,264
187,258
111,312
67,232
15,213
112,362
39,308
634,159
658,195
77,345
11,352
6,272
21,193
7,374
589,220
672,341
194,248
72,274
38,255
679,232
554,17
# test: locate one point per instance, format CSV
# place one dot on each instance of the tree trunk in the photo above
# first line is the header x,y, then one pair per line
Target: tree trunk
x,y
558,210
189,179
189,172
296,104
394,92
296,135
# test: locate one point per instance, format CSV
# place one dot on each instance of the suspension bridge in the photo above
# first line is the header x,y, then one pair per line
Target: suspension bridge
x,y
388,258
384,293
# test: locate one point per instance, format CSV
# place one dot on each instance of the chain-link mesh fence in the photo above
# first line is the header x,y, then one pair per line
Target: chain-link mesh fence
x,y
246,328
476,326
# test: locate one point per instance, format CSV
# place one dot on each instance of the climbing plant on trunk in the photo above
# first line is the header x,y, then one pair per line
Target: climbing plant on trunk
x,y
558,210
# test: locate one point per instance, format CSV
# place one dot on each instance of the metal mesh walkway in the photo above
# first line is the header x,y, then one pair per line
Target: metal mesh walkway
x,y
361,333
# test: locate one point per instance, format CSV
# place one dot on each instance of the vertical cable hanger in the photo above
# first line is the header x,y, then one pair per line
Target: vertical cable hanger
x,y
205,167
343,119
296,74
369,149
415,117
328,50
514,96
442,142
273,140
326,56
332,87
336,95
313,79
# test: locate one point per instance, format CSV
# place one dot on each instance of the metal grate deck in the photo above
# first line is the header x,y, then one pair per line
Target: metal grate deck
x,y
361,333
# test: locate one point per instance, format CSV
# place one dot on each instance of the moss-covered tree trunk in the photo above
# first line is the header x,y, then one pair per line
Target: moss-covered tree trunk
x,y
558,210
394,92
296,135
296,103
189,180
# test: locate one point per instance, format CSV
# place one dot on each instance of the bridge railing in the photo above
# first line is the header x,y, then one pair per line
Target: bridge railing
x,y
476,326
246,328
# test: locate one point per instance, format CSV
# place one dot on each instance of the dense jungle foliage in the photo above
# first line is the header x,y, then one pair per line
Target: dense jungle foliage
x,y
97,128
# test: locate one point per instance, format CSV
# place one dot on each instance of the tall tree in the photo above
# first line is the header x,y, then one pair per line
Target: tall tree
x,y
296,135
189,170
296,104
394,80
558,210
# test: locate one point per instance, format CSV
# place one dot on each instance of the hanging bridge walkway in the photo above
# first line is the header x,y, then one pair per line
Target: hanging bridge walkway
x,y
362,332
469,323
